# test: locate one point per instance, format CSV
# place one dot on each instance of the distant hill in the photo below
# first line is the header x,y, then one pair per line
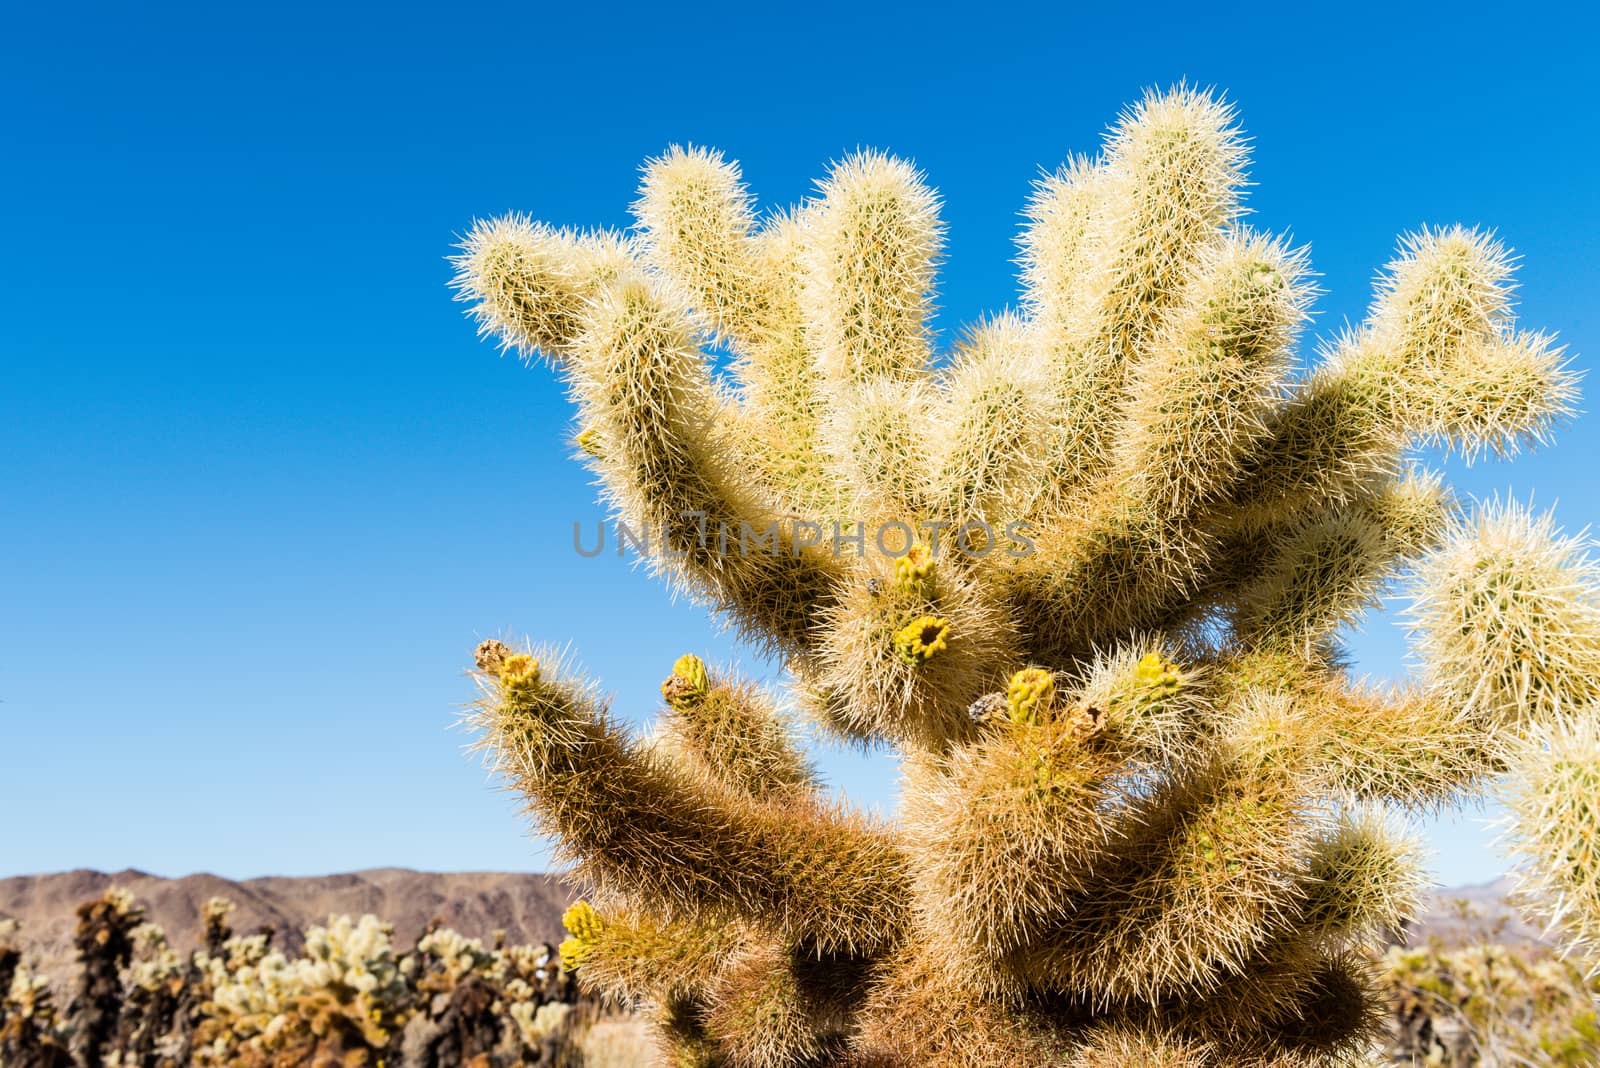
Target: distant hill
x,y
527,907
1492,917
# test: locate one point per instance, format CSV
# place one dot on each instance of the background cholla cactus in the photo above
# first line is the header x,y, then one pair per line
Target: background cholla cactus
x,y
348,999
104,939
158,1002
30,1034
338,1003
478,1005
214,913
1486,1002
1087,575
351,999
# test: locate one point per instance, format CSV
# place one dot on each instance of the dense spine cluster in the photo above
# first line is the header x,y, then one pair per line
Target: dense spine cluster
x,y
1087,575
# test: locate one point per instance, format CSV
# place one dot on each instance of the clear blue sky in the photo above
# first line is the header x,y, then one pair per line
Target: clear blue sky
x,y
261,490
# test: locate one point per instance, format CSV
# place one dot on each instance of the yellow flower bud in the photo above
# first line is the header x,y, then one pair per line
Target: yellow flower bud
x,y
914,570
1030,694
1159,677
688,683
584,924
518,673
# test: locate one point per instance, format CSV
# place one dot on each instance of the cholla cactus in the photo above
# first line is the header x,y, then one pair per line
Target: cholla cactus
x,y
214,913
10,955
1088,576
347,999
154,1028
104,939
338,1003
31,1036
1489,1002
481,1006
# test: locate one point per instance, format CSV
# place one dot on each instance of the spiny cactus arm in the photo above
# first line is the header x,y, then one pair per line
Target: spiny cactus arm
x,y
680,1035
1506,618
1297,1010
697,225
629,955
1447,291
643,385
1119,1043
762,1019
1190,897
1437,360
1197,400
1199,396
1007,829
997,413
1253,566
1405,746
775,1008
879,440
531,285
755,1004
1365,880
728,995
642,829
1063,285
1328,568
1334,437
1111,248
1505,394
1173,172
921,1010
1278,973
731,729
698,229
873,241
783,388
1091,575
1552,827
1060,246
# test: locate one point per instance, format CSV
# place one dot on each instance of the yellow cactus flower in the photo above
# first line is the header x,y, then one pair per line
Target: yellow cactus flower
x,y
922,639
589,441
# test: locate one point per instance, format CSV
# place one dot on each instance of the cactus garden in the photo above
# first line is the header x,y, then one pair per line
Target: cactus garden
x,y
349,998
